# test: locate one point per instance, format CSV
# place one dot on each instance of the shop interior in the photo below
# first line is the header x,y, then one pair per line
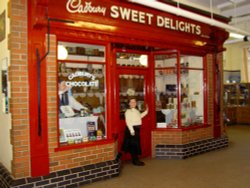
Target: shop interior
x,y
236,95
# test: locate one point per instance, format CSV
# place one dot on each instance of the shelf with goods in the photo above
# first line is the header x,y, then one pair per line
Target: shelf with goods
x,y
131,85
237,102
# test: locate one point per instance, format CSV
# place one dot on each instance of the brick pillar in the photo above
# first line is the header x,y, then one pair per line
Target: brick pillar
x,y
210,89
19,99
220,60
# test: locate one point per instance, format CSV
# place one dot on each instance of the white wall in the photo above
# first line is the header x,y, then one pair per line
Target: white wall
x,y
5,119
234,59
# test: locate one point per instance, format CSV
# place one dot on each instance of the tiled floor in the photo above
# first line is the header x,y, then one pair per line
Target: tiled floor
x,y
225,168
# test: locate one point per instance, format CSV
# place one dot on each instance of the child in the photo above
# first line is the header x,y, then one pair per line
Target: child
x,y
133,119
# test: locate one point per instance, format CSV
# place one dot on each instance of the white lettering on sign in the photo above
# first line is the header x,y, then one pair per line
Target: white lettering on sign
x,y
76,6
81,74
92,83
131,15
82,83
178,25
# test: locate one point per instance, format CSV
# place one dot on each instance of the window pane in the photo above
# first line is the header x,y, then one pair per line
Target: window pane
x,y
132,59
81,102
191,62
131,85
166,91
192,98
81,52
165,61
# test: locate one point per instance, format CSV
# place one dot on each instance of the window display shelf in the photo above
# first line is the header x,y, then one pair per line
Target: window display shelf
x,y
237,102
237,94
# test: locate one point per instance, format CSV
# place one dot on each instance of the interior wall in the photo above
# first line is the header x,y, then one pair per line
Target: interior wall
x,y
5,145
234,59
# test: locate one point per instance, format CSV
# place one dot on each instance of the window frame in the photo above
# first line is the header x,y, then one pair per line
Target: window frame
x,y
178,69
108,139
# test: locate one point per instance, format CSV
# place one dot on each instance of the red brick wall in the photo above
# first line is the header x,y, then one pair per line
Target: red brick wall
x,y
220,60
19,99
210,78
74,157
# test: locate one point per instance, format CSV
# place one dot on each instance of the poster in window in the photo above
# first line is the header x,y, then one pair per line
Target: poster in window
x,y
2,26
4,77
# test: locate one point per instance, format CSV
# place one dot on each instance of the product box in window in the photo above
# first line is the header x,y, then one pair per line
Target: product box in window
x,y
99,135
91,130
70,136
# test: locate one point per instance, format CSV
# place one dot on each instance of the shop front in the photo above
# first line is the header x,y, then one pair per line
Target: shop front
x,y
85,58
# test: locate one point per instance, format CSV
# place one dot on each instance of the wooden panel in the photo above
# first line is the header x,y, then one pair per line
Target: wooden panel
x,y
231,114
243,116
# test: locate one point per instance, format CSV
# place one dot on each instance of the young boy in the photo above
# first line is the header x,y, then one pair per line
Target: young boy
x,y
133,119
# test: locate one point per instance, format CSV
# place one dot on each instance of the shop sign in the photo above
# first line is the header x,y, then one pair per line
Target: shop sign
x,y
92,83
133,15
76,6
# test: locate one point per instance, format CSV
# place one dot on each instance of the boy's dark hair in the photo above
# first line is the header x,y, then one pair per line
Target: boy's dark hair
x,y
131,97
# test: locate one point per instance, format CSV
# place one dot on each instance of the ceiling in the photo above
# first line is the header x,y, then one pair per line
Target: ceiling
x,y
237,10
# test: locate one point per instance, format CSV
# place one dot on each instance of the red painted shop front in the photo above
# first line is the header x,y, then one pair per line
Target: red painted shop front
x,y
116,49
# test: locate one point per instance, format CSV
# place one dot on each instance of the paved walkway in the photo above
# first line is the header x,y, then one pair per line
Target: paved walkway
x,y
225,168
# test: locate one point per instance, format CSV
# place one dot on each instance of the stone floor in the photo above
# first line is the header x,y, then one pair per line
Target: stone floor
x,y
225,168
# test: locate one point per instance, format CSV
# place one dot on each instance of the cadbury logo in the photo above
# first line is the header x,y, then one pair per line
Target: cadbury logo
x,y
76,6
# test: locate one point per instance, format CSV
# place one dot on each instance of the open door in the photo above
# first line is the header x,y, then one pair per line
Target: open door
x,y
133,81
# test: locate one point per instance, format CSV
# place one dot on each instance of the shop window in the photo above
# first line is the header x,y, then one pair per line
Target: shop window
x,y
179,91
81,97
166,90
192,91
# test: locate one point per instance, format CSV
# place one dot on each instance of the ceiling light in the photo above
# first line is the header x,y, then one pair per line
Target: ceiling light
x,y
236,35
229,3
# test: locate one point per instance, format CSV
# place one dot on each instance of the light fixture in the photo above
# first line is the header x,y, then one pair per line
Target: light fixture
x,y
91,25
62,52
236,35
229,3
200,43
143,60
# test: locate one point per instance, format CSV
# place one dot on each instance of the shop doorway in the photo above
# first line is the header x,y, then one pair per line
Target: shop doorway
x,y
132,80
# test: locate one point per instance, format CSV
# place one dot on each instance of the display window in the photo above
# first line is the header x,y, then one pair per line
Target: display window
x,y
192,90
179,93
81,93
166,90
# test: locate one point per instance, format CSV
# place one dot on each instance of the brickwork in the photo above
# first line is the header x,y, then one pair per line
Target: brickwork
x,y
220,60
210,88
69,178
5,177
177,137
187,150
19,99
196,135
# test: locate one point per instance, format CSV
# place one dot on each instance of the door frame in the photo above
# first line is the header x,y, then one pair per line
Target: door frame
x,y
119,123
